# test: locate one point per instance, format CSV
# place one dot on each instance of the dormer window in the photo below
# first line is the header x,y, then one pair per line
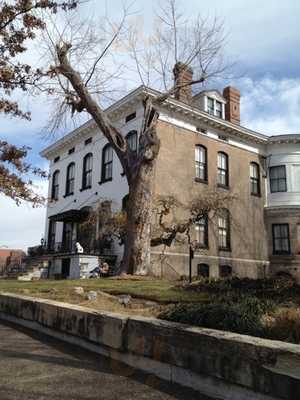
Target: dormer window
x,y
210,106
214,107
219,109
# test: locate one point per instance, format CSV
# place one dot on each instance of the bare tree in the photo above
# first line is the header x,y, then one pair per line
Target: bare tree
x,y
196,43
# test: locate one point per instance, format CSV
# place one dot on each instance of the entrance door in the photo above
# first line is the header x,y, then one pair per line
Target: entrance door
x,y
65,267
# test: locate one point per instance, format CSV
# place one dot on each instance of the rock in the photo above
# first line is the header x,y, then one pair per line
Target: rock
x,y
124,299
92,295
78,290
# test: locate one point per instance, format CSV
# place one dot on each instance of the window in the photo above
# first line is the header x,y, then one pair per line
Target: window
x,y
56,159
210,106
201,228
254,179
278,179
71,150
225,271
51,235
281,239
130,117
87,171
70,182
219,109
55,186
203,270
107,163
223,177
201,163
224,230
132,140
88,141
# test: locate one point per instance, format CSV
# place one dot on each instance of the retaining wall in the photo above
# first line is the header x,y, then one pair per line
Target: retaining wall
x,y
220,364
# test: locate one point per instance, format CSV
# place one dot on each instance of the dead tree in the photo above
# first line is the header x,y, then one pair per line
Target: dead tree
x,y
195,44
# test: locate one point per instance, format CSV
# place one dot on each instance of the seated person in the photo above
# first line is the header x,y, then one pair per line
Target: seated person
x,y
104,269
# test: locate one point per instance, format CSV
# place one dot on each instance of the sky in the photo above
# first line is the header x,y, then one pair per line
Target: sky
x,y
262,40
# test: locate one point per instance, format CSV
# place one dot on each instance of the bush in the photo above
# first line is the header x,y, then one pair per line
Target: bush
x,y
285,325
242,316
275,287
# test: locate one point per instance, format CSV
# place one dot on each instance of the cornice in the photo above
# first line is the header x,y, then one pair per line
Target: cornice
x,y
174,106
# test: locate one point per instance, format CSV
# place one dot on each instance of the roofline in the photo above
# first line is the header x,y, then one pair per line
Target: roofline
x,y
176,105
286,138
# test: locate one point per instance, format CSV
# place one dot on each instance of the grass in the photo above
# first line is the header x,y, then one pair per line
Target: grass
x,y
161,291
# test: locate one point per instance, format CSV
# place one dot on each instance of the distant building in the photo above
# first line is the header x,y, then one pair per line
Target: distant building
x,y
11,260
203,147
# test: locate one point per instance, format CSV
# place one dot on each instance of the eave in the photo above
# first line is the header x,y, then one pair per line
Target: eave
x,y
170,104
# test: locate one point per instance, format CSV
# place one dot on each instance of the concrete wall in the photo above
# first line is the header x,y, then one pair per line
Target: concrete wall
x,y
217,363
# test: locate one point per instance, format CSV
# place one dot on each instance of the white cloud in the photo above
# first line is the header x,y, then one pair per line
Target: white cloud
x,y
271,106
23,226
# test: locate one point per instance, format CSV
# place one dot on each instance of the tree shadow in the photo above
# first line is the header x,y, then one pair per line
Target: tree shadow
x,y
72,356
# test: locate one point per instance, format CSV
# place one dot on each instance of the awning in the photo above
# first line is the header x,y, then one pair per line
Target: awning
x,y
71,216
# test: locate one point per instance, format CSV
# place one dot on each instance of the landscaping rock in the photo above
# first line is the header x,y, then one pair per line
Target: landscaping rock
x,y
78,290
92,295
125,299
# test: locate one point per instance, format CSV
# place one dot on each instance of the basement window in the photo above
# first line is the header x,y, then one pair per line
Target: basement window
x,y
88,141
71,150
130,117
56,159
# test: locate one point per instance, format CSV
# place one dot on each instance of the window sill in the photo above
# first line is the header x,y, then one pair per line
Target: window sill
x,y
202,247
85,188
199,180
282,253
68,194
104,181
228,249
219,185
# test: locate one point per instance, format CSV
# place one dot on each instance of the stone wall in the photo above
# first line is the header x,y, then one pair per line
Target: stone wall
x,y
220,364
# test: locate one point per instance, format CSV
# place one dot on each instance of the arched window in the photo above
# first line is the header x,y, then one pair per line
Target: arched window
x,y
201,228
70,180
203,270
224,229
254,179
55,186
87,171
223,171
107,163
131,139
201,163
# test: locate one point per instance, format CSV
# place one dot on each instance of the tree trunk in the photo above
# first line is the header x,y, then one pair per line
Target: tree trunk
x,y
136,258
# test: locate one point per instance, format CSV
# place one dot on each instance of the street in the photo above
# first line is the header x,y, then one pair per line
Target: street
x,y
36,367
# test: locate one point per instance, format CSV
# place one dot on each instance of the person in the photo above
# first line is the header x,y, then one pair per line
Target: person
x,y
104,269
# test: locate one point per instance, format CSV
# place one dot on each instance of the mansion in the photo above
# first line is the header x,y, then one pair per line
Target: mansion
x,y
203,148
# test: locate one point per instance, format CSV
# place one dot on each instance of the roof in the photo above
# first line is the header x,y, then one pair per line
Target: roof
x,y
172,104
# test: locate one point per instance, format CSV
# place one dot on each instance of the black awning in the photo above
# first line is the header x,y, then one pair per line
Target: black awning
x,y
70,216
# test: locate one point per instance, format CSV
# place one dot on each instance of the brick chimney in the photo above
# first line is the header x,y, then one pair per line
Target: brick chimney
x,y
232,107
183,75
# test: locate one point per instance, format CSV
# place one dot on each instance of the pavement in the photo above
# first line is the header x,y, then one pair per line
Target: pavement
x,y
36,367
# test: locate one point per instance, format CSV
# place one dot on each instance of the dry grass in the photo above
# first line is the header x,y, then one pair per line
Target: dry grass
x,y
284,325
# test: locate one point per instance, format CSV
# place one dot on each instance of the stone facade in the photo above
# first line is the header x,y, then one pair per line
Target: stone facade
x,y
175,176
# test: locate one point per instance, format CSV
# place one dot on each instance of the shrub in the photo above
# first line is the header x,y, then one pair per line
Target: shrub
x,y
285,325
242,316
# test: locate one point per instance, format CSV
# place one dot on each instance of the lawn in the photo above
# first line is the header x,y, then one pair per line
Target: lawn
x,y
161,291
